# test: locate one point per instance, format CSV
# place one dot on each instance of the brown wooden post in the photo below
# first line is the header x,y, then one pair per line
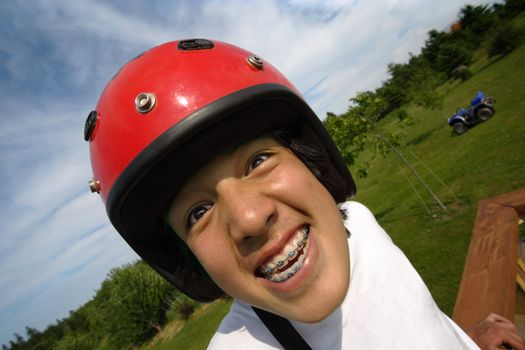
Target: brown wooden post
x,y
489,277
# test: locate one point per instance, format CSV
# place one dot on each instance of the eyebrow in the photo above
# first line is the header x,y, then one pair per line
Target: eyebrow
x,y
227,151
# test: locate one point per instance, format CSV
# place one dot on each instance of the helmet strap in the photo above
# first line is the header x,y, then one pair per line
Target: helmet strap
x,y
282,330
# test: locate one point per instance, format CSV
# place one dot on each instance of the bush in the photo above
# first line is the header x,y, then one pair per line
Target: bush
x,y
506,38
76,342
181,307
464,74
512,8
131,304
452,55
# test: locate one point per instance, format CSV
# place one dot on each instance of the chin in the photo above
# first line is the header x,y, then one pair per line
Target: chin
x,y
317,307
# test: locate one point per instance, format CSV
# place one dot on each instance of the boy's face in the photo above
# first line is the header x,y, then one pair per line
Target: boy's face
x,y
266,231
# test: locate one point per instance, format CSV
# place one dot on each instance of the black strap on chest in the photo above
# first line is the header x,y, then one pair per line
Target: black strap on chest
x,y
282,330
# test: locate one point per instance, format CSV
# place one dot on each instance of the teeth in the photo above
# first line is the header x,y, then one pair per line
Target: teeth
x,y
272,270
283,276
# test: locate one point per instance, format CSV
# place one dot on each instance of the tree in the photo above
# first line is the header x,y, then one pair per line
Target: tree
x,y
349,134
432,47
506,38
451,55
76,342
360,123
476,19
424,92
31,332
514,8
415,82
131,304
181,307
394,90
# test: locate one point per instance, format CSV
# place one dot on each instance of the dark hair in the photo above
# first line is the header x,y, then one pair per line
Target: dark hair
x,y
315,160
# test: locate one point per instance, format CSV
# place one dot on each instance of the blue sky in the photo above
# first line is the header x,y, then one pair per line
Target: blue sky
x,y
56,244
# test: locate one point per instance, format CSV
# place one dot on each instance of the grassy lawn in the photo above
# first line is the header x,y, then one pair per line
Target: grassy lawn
x,y
196,333
488,160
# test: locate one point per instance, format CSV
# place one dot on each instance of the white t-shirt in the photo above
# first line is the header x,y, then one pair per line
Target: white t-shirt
x,y
387,305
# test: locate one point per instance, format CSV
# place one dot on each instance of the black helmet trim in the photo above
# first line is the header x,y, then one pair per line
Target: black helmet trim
x,y
147,185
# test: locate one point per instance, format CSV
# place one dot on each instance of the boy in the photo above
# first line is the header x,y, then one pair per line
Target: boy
x,y
219,175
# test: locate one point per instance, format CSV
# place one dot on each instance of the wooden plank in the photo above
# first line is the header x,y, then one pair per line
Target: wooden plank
x,y
515,199
489,278
521,264
520,278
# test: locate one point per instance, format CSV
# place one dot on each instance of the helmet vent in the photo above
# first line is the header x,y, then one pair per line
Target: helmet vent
x,y
195,44
91,123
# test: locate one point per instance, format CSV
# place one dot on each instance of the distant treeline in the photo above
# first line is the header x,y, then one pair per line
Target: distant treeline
x,y
131,306
480,30
134,302
447,54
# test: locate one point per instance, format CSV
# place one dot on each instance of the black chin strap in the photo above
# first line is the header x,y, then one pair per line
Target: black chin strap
x,y
282,330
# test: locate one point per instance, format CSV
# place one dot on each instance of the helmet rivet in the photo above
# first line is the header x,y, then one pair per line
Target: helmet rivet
x,y
145,102
255,61
94,185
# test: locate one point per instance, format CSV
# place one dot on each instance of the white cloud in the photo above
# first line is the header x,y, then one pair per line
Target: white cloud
x,y
54,288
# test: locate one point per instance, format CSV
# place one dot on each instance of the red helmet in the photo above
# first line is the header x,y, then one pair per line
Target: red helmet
x,y
171,110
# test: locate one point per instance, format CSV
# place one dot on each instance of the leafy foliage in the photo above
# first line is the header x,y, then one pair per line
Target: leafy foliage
x,y
463,73
347,134
76,342
137,297
433,44
181,307
129,308
477,19
452,55
445,52
506,38
358,128
416,82
510,9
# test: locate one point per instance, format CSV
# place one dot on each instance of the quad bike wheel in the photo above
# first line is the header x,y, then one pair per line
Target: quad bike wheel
x,y
459,128
484,114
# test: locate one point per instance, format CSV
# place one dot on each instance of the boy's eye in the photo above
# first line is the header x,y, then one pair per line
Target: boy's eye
x,y
196,213
256,160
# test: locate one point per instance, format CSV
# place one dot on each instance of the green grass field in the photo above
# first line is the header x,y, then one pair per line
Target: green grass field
x,y
198,330
488,160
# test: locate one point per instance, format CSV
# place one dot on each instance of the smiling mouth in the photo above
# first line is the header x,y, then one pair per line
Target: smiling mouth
x,y
287,263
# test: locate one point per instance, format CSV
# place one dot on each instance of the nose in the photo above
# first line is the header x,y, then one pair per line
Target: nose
x,y
248,209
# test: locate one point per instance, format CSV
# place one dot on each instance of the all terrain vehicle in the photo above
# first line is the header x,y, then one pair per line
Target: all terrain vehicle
x,y
481,109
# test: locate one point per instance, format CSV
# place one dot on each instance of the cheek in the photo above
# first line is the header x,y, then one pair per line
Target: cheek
x,y
300,188
216,256
294,180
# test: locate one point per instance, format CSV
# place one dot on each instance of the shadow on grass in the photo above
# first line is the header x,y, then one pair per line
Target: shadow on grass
x,y
422,137
381,215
